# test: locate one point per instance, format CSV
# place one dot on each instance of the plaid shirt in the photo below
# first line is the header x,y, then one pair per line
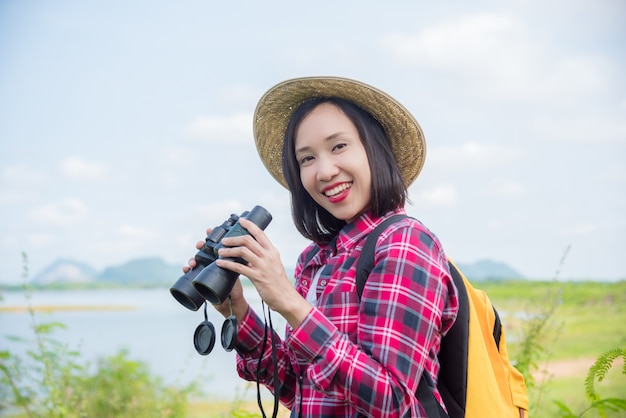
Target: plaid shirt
x,y
350,359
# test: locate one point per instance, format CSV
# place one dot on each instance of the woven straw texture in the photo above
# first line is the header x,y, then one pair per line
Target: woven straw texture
x,y
275,108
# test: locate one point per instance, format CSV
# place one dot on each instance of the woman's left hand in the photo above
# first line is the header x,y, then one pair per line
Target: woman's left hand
x,y
265,270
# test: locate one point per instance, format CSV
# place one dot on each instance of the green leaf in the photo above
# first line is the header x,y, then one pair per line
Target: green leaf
x,y
565,412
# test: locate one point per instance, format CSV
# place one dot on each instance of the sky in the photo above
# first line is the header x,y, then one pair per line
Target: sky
x,y
126,127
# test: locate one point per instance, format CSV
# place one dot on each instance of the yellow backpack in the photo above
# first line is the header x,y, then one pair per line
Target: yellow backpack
x,y
476,379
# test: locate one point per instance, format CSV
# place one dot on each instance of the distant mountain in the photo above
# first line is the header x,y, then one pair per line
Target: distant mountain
x,y
139,272
156,272
146,271
66,271
483,270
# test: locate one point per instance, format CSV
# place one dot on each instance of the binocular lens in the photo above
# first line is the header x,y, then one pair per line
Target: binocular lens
x,y
229,333
204,338
185,292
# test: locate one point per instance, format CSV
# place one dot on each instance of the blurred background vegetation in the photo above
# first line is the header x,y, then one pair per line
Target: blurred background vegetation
x,y
567,338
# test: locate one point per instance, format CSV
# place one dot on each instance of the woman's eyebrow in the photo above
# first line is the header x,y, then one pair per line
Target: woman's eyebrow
x,y
328,138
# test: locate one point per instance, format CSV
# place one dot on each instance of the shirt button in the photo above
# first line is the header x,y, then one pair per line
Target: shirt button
x,y
323,282
305,282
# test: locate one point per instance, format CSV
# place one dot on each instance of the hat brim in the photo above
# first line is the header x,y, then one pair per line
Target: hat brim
x,y
275,108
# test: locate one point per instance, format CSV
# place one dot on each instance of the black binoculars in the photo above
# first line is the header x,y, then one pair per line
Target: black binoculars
x,y
208,281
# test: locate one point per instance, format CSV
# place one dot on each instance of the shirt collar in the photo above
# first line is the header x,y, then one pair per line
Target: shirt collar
x,y
348,237
355,231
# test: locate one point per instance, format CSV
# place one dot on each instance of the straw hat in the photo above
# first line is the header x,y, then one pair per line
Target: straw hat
x,y
275,108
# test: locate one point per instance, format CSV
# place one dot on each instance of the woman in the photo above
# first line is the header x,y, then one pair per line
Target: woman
x,y
347,153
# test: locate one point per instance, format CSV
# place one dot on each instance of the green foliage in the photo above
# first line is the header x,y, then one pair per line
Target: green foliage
x,y
539,334
539,331
125,388
50,382
598,371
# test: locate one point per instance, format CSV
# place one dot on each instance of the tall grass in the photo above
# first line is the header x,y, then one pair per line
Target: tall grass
x,y
566,323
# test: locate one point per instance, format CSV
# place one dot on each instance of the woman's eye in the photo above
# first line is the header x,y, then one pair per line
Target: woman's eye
x,y
305,159
339,146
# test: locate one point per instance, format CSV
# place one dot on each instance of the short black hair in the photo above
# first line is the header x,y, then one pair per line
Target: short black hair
x,y
389,190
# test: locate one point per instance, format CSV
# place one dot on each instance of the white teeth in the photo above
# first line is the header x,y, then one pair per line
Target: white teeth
x,y
338,189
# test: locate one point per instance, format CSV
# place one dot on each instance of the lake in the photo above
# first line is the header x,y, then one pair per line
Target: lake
x,y
149,323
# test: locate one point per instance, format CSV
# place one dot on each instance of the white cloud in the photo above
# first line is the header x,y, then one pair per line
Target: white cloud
x,y
614,173
129,238
22,176
39,240
220,211
239,94
580,229
472,156
506,188
131,232
175,157
66,212
78,168
441,196
484,45
590,128
469,41
500,57
15,196
8,241
233,128
495,225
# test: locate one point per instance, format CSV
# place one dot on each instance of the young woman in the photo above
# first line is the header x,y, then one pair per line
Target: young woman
x,y
347,153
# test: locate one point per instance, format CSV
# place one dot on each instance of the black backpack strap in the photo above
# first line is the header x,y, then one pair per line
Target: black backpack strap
x,y
497,329
425,389
366,259
426,395
453,354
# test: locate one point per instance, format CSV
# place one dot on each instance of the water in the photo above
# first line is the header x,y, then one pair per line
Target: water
x,y
149,323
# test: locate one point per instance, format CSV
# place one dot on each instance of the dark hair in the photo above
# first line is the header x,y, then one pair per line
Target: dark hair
x,y
388,188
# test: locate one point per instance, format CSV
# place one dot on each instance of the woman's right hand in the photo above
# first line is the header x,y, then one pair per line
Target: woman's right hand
x,y
237,300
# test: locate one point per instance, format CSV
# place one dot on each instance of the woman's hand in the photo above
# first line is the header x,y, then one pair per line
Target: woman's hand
x,y
265,270
237,299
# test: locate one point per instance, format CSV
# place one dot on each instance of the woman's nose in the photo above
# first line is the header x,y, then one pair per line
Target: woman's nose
x,y
326,169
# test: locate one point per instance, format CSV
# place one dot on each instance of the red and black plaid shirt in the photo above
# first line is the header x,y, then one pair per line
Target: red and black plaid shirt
x,y
348,358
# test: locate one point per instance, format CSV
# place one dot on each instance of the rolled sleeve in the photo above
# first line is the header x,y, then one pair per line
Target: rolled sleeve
x,y
309,339
250,333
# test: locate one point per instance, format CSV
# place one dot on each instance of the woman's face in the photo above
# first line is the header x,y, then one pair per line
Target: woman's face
x,y
334,168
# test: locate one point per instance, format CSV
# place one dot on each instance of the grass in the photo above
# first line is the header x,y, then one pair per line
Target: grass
x,y
571,391
223,409
588,320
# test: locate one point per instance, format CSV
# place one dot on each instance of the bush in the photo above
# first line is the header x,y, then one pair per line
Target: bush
x,y
49,381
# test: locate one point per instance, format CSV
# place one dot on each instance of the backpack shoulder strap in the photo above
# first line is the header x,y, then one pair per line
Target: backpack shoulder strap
x,y
365,264
453,353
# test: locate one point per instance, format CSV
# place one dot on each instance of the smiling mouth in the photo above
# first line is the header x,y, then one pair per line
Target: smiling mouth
x,y
337,189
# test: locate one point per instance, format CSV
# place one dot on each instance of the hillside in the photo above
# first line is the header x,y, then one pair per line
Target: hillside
x,y
139,272
483,270
155,272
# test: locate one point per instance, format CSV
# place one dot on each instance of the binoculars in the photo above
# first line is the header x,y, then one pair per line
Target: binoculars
x,y
208,281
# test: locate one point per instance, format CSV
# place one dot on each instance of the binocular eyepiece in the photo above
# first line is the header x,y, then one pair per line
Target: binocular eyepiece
x,y
208,281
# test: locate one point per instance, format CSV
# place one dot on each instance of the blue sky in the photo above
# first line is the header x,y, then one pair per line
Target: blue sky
x,y
126,127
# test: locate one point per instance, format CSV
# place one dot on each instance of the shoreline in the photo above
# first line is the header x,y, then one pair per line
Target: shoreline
x,y
65,308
